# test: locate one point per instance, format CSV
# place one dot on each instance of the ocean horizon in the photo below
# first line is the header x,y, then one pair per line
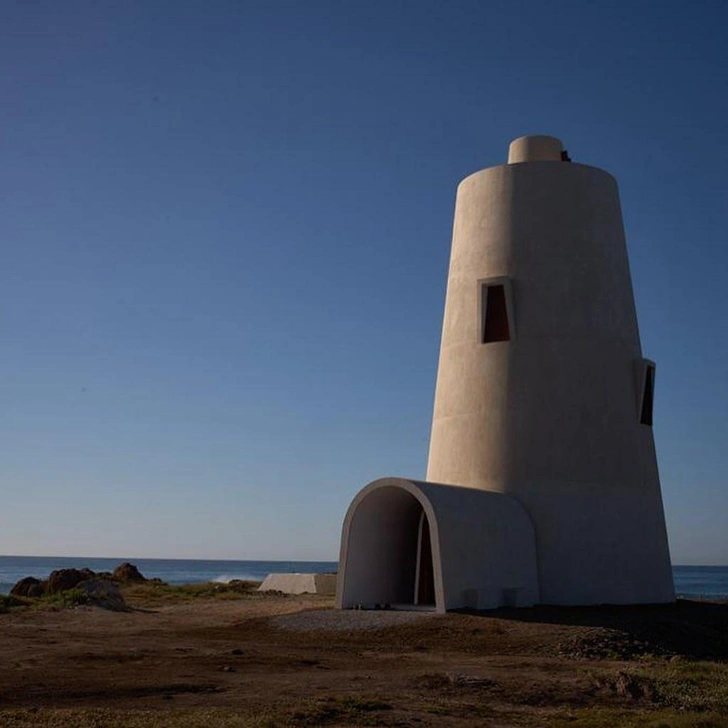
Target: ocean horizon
x,y
172,571
691,581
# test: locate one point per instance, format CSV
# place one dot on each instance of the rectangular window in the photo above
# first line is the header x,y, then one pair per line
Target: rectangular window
x,y
495,310
648,393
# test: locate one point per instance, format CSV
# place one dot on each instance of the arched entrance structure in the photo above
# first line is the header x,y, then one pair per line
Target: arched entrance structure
x,y
411,543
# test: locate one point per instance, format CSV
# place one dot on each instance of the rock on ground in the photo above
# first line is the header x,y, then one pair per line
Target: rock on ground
x,y
28,587
104,593
127,573
101,588
65,579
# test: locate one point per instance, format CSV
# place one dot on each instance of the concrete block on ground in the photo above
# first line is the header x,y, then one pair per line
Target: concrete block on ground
x,y
324,584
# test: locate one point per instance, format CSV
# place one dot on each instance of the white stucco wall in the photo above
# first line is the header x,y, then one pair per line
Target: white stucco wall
x,y
483,546
551,417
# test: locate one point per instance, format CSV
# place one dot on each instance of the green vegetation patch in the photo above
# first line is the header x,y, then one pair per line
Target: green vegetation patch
x,y
679,684
66,599
10,602
152,593
63,600
157,593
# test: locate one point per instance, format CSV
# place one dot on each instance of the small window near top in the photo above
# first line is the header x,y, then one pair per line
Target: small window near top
x,y
648,394
495,325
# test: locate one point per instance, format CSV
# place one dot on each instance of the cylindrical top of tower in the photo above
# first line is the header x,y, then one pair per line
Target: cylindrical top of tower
x,y
536,148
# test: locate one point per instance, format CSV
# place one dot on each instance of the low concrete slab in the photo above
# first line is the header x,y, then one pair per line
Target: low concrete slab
x,y
300,583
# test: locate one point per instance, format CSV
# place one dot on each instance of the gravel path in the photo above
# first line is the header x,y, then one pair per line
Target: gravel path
x,y
347,620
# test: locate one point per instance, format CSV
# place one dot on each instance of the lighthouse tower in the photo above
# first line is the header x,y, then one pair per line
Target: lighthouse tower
x,y
542,481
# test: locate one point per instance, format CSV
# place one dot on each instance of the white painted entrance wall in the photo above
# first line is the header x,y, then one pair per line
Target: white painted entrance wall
x,y
483,547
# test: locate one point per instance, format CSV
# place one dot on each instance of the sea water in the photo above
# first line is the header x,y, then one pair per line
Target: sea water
x,y
692,582
172,571
701,582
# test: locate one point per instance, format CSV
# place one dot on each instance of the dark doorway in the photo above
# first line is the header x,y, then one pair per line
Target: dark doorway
x,y
425,576
389,555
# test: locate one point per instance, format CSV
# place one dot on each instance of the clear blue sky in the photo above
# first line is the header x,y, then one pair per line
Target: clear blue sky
x,y
225,230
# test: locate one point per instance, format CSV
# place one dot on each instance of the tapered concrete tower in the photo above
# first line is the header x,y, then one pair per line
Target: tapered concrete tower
x,y
542,481
542,391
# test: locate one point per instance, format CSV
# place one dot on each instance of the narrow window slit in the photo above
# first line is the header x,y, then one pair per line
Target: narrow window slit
x,y
648,396
495,314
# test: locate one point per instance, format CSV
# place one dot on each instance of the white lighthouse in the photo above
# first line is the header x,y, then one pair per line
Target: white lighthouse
x,y
542,482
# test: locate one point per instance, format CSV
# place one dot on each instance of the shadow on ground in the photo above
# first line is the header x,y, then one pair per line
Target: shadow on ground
x,y
692,629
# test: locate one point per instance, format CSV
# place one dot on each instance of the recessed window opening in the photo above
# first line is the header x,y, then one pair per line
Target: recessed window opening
x,y
648,395
495,314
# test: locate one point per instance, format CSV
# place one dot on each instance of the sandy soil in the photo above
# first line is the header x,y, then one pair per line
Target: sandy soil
x,y
271,660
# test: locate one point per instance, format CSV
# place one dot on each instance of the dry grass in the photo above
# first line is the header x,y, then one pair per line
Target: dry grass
x,y
215,656
635,718
149,594
682,685
105,718
357,711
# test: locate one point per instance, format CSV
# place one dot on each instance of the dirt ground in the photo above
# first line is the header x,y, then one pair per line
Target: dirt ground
x,y
265,660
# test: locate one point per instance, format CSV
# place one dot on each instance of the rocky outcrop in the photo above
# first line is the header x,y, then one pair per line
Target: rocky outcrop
x,y
101,589
65,579
127,573
28,587
104,593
